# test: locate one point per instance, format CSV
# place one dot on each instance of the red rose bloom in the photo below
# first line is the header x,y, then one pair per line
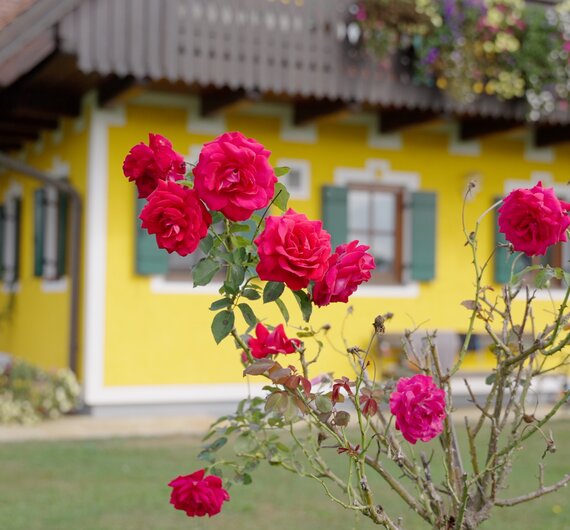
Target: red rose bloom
x,y
146,165
348,267
177,217
198,495
233,176
419,406
271,343
293,250
533,219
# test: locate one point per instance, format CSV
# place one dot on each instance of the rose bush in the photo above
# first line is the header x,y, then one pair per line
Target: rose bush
x,y
177,217
353,416
198,495
293,250
233,176
534,219
348,267
146,165
419,407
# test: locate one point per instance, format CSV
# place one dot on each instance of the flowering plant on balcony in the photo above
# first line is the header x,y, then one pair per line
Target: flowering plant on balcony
x,y
474,47
376,427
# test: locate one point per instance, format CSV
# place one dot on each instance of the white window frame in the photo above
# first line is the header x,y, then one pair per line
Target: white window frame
x,y
10,278
303,167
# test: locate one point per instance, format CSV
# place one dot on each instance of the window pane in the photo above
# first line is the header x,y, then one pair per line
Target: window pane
x,y
384,211
358,210
362,237
178,263
384,252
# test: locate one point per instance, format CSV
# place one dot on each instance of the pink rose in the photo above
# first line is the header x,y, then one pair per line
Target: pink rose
x,y
419,407
177,217
146,165
271,343
293,250
533,219
198,495
233,176
348,267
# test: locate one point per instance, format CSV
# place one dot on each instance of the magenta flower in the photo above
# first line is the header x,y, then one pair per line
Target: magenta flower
x,y
146,165
271,343
198,495
348,267
419,406
533,219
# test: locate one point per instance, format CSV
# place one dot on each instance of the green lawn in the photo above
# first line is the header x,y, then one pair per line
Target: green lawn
x,y
121,485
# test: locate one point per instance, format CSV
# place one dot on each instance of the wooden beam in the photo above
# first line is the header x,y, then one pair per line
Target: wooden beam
x,y
41,103
546,136
10,146
19,129
214,101
394,120
10,120
473,128
113,89
7,133
307,111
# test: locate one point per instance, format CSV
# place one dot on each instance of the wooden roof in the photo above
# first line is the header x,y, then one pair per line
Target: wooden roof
x,y
224,49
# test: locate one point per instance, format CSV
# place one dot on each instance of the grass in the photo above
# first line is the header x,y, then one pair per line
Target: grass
x,y
121,485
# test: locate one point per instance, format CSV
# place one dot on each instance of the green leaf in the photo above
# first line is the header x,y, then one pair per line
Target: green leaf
x,y
245,443
272,291
216,217
241,242
216,444
305,304
207,244
292,411
490,379
277,402
324,404
204,271
185,183
220,304
251,294
543,277
283,308
235,279
222,325
516,278
239,227
281,196
280,171
248,315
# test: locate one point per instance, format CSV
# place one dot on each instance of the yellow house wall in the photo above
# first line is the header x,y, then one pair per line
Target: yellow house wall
x,y
154,339
37,328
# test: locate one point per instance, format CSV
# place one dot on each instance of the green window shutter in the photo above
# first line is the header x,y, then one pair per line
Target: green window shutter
x,y
149,258
504,259
39,230
62,226
335,213
423,206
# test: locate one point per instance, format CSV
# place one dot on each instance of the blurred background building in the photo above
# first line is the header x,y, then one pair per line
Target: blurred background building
x,y
379,158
